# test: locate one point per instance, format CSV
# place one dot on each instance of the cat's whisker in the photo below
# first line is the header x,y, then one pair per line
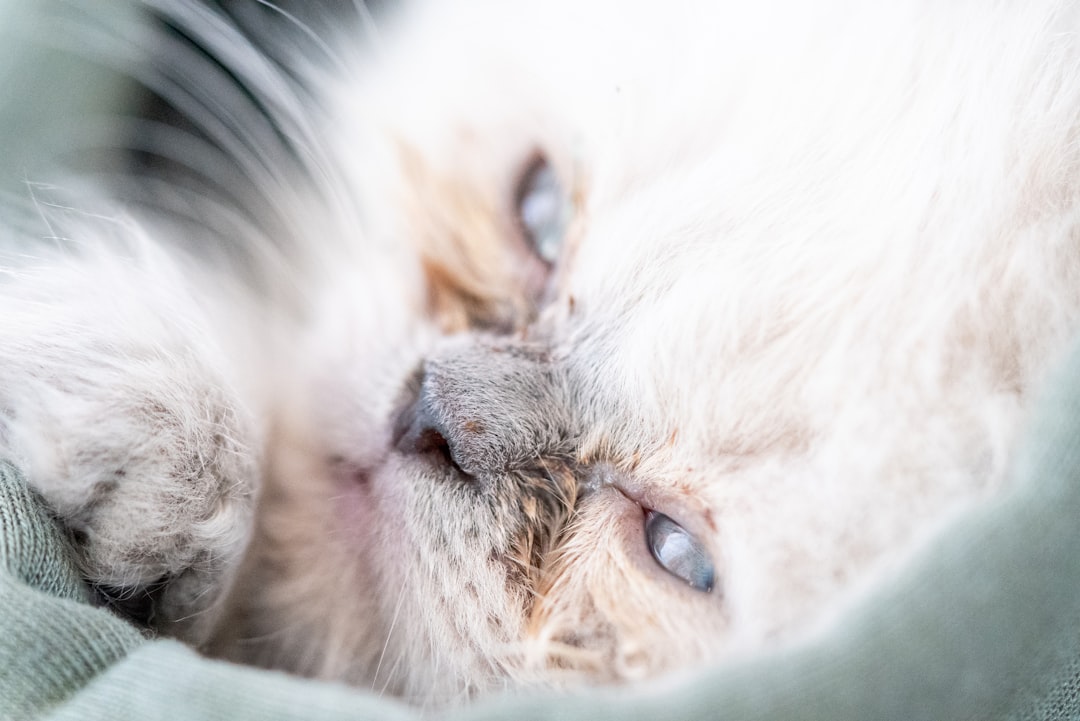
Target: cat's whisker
x,y
391,674
307,31
282,630
368,25
389,633
44,216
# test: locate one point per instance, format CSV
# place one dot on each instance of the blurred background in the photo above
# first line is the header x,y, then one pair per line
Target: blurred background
x,y
67,85
52,96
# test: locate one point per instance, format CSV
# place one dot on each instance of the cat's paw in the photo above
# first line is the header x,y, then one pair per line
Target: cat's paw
x,y
146,466
119,413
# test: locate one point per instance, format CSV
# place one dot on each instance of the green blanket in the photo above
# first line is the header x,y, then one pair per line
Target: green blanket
x,y
984,625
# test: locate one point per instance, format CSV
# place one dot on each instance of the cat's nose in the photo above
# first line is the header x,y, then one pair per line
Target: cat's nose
x,y
486,409
415,433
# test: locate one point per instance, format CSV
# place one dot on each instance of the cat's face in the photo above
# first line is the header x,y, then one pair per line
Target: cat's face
x,y
645,346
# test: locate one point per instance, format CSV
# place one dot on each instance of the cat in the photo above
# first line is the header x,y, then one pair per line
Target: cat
x,y
487,345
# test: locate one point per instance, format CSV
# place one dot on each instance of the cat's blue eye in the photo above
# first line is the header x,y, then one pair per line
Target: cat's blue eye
x,y
679,553
543,210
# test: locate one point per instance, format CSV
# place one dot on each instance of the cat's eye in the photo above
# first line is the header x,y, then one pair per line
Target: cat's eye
x,y
543,209
679,553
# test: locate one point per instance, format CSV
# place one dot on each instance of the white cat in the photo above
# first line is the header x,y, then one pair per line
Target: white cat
x,y
549,343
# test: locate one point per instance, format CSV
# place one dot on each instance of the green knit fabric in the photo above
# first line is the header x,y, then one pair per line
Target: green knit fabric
x,y
52,642
985,625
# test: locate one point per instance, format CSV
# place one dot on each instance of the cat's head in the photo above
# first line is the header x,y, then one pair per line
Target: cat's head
x,y
639,341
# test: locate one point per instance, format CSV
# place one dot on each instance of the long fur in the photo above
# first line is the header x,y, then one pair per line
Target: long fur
x,y
821,256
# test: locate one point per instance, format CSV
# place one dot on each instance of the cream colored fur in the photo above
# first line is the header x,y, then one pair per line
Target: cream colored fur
x,y
822,255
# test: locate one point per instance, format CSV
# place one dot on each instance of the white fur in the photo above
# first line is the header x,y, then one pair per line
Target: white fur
x,y
822,256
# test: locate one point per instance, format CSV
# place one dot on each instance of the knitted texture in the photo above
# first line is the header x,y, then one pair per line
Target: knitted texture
x,y
52,642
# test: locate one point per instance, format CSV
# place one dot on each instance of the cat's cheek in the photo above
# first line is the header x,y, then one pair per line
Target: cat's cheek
x,y
369,506
376,500
609,542
401,505
353,510
630,549
641,619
